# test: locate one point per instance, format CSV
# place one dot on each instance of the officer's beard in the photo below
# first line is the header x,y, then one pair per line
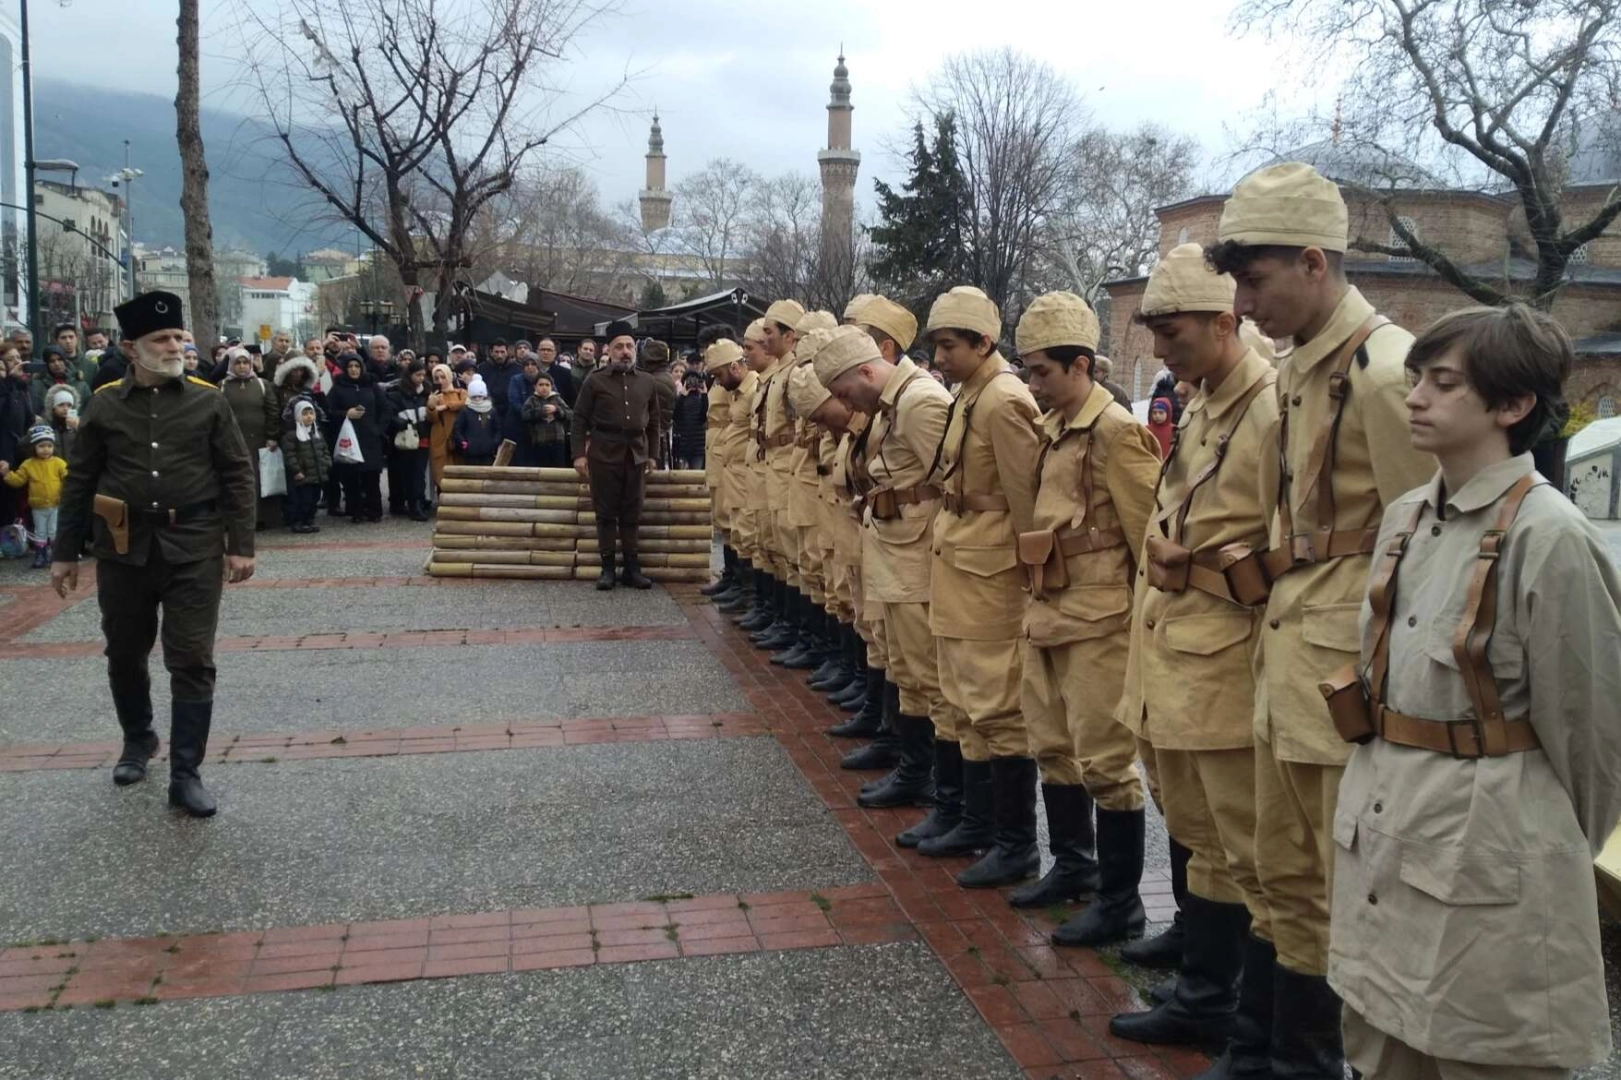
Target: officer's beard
x,y
621,366
154,361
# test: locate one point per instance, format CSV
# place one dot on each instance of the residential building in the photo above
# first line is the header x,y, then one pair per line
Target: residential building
x,y
81,274
281,303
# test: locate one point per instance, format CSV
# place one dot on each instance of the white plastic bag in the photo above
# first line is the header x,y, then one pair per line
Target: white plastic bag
x,y
272,473
348,448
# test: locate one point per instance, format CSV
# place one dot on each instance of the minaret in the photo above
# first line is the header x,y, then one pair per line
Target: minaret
x,y
655,200
839,164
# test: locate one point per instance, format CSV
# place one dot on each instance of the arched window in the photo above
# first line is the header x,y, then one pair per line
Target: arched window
x,y
1606,407
1182,237
1581,256
1397,242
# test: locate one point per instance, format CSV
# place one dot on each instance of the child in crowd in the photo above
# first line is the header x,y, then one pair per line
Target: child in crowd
x,y
477,435
63,416
1160,411
42,474
309,466
547,418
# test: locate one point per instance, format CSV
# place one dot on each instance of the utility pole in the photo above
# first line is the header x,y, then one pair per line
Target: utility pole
x,y
31,285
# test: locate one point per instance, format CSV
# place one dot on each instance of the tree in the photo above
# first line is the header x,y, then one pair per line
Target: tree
x,y
652,297
553,233
711,206
1491,93
407,119
918,241
783,234
194,182
276,266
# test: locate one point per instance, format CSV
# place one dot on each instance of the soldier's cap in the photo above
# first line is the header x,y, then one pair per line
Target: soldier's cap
x,y
882,313
848,347
965,308
722,354
1054,319
852,310
755,331
148,314
806,394
1288,205
1183,281
786,312
813,320
41,433
619,328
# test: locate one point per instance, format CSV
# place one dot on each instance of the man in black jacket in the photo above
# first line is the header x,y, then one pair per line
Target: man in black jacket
x,y
498,371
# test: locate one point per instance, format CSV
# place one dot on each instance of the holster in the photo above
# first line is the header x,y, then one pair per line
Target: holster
x,y
1245,572
1043,561
1349,705
115,513
1167,564
885,507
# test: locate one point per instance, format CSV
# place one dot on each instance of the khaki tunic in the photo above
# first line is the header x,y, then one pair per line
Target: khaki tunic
x,y
1189,681
775,424
720,408
1311,616
760,472
900,448
731,451
1465,912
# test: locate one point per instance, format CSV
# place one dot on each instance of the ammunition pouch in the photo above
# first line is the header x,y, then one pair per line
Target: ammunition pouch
x,y
1349,705
1245,572
1043,560
1168,564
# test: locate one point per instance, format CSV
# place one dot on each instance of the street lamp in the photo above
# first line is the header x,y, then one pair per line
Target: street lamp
x,y
376,310
127,177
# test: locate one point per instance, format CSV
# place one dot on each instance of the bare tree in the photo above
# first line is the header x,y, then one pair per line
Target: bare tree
x,y
407,119
552,232
194,182
1492,94
1015,121
711,208
783,234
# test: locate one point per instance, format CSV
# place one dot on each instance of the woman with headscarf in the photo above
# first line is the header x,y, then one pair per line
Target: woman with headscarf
x,y
258,416
355,398
446,400
408,434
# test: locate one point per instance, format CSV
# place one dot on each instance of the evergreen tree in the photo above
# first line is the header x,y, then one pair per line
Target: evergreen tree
x,y
919,240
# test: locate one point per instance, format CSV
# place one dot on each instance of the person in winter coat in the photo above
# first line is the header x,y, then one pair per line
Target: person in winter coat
x,y
254,404
15,415
63,416
546,419
444,403
1165,387
408,433
296,377
309,466
477,434
56,373
520,389
1160,424
354,398
691,418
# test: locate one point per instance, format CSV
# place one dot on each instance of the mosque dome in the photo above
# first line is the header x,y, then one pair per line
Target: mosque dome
x,y
1361,164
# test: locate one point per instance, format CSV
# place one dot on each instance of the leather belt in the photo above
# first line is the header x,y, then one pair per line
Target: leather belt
x,y
973,503
1080,541
776,442
1306,549
1460,738
174,515
604,429
920,493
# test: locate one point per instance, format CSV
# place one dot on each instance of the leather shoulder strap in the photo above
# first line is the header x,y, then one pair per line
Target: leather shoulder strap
x,y
1382,598
1182,509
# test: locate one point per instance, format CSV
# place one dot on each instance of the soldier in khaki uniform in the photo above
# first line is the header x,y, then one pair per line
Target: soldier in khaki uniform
x,y
727,445
1190,685
1466,935
891,472
1344,457
716,417
985,468
762,609
773,441
1097,471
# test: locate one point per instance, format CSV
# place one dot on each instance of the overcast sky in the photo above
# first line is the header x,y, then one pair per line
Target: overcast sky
x,y
749,80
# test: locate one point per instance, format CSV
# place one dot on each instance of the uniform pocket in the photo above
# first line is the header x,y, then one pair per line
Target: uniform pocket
x,y
1458,879
1093,612
983,561
1331,626
902,530
1206,635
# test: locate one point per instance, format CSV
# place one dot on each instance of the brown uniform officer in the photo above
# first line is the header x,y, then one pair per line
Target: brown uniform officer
x,y
615,426
160,472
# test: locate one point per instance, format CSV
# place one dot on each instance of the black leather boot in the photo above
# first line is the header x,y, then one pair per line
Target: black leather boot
x,y
728,574
835,666
758,617
605,551
1074,872
1306,1040
740,598
912,783
632,574
1116,912
853,698
1164,951
783,631
947,809
865,723
189,722
852,665
133,704
1162,991
1013,807
975,830
1249,1052
884,750
1204,1009
802,652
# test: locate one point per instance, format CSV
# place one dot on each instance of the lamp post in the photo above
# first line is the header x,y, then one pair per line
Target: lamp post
x,y
124,179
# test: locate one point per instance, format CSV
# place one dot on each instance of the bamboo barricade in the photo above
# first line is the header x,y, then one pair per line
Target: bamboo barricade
x,y
537,524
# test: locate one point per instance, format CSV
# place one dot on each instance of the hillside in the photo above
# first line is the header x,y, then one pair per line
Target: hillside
x,y
250,207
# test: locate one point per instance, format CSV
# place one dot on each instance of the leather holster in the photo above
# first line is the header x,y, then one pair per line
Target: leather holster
x,y
115,514
1246,574
885,507
1043,561
1167,564
1348,705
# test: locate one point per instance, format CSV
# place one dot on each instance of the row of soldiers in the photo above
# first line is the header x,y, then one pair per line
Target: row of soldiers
x,y
1036,596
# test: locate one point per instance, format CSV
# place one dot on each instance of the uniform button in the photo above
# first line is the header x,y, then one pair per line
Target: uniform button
x,y
154,472
154,446
1274,624
1150,624
1412,620
1295,400
1373,898
1378,808
1435,530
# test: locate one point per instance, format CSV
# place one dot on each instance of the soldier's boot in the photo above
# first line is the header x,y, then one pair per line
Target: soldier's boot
x,y
1306,1040
975,829
732,578
632,574
1203,1010
1164,951
1116,912
605,552
758,615
947,809
884,750
1074,872
134,708
834,669
1249,1052
724,582
1162,991
912,782
783,631
189,722
853,698
852,661
740,600
799,653
865,723
1014,856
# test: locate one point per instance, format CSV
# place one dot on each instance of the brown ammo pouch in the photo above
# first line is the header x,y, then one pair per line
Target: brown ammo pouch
x,y
885,507
1349,705
1168,564
1245,572
115,514
1043,560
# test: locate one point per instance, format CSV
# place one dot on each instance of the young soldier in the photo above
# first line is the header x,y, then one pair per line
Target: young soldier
x,y
891,473
1190,688
1344,456
985,467
727,449
771,350
775,437
1466,936
808,648
752,487
1095,491
715,419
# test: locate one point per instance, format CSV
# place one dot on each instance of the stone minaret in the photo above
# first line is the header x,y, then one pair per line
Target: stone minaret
x,y
655,200
839,163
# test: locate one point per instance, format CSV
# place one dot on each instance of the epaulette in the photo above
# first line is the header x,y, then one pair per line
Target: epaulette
x,y
106,386
201,382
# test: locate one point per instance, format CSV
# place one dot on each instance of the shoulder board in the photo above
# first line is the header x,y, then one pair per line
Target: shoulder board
x,y
200,382
107,386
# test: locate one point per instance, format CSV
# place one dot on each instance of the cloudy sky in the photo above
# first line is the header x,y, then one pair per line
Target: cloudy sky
x,y
749,80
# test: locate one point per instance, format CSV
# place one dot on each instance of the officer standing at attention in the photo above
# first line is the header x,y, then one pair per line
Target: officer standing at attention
x,y
160,460
615,428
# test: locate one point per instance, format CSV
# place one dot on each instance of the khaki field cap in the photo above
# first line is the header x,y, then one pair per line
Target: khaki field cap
x,y
965,308
1054,319
852,310
815,320
849,347
786,312
1290,205
721,354
805,393
882,313
1183,281
755,331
